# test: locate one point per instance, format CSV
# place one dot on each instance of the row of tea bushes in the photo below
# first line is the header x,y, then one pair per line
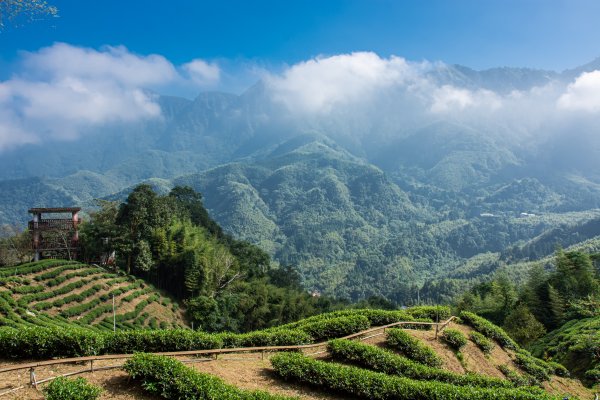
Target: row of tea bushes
x,y
385,361
489,330
412,348
33,267
38,342
172,380
485,344
454,338
362,383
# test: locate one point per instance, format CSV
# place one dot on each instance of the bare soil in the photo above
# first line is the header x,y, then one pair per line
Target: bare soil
x,y
256,374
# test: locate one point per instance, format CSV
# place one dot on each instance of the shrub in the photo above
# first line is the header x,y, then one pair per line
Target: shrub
x,y
532,366
157,341
454,338
482,342
412,348
489,330
283,337
362,383
385,361
336,327
28,289
173,380
593,375
516,378
434,313
71,389
37,342
558,369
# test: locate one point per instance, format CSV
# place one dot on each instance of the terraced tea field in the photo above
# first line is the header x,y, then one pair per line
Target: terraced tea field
x,y
63,293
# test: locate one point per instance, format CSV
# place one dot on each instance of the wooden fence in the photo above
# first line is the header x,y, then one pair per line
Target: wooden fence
x,y
320,348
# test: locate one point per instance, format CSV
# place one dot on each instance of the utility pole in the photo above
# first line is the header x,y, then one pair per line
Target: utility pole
x,y
114,315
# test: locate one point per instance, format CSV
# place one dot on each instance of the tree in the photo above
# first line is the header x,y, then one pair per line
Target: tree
x,y
11,10
575,275
522,326
15,245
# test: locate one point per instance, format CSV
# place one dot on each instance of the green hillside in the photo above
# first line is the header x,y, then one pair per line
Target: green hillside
x,y
68,294
576,344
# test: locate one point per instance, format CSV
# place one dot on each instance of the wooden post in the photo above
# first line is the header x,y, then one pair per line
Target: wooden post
x,y
32,377
91,365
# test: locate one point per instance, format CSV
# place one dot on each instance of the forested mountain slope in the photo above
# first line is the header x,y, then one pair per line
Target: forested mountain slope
x,y
371,200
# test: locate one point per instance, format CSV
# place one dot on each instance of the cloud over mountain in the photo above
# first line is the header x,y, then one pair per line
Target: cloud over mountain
x,y
61,90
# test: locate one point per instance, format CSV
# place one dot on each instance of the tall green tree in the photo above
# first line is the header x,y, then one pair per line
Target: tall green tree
x,y
522,326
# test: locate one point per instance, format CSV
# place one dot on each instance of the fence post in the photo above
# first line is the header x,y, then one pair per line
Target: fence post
x,y
32,377
91,365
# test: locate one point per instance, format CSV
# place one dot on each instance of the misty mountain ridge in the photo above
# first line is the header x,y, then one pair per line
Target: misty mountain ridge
x,y
363,199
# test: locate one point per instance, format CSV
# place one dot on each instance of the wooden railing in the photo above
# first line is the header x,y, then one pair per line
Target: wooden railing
x,y
214,353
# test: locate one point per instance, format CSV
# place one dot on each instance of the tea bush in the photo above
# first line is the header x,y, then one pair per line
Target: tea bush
x,y
71,389
434,313
489,330
516,378
412,348
454,338
533,367
482,342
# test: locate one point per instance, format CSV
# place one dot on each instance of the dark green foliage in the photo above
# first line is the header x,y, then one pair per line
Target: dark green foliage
x,y
412,348
516,378
385,361
172,380
277,337
154,341
558,369
28,289
71,389
454,338
374,385
434,313
335,327
488,329
482,342
37,342
32,267
534,368
171,242
575,345
593,375
522,326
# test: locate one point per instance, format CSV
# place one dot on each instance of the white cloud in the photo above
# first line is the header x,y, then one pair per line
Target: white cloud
x,y
320,84
327,84
583,94
448,98
116,64
202,72
62,90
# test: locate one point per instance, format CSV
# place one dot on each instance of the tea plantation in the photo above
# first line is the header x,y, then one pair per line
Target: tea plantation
x,y
59,293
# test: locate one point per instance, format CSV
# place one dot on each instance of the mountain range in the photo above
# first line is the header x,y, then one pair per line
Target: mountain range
x,y
375,198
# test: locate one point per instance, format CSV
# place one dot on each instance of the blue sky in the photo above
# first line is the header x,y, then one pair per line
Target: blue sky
x,y
550,34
